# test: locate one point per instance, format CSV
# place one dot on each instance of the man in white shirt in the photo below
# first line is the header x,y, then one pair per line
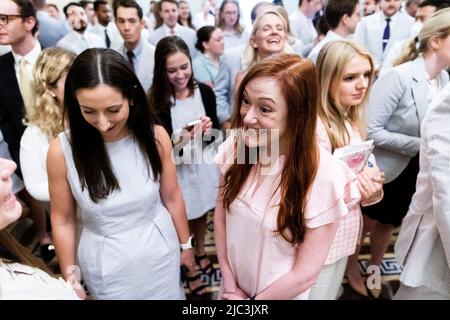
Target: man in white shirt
x,y
379,31
170,27
301,23
78,39
342,16
104,28
424,12
88,6
139,53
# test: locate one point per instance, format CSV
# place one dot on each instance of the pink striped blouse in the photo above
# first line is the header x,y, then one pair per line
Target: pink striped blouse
x,y
350,227
258,255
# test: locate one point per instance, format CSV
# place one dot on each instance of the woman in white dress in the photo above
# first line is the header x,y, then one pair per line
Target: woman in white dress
x,y
179,100
44,119
115,165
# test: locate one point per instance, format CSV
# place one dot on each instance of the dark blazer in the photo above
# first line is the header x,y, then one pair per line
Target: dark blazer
x,y
209,102
12,109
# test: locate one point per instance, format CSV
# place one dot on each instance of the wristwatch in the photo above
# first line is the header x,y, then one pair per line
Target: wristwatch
x,y
187,245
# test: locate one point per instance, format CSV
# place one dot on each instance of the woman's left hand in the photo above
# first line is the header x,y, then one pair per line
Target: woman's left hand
x,y
370,183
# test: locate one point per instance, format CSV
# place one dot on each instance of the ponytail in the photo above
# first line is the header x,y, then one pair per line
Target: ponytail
x,y
409,52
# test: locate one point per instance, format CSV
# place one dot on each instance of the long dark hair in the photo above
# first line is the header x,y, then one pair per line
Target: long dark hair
x,y
297,79
12,251
90,69
162,91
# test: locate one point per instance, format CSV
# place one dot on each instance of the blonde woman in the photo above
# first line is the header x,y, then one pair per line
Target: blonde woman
x,y
44,122
269,36
45,119
345,72
397,106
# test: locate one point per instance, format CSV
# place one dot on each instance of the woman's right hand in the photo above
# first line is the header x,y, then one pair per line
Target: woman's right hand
x,y
79,290
77,287
230,288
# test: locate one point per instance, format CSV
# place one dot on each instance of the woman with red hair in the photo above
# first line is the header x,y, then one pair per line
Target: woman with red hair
x,y
276,216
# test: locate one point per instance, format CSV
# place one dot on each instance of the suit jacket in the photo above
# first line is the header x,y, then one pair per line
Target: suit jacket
x,y
145,66
50,29
423,245
73,41
370,31
224,82
12,109
188,35
397,105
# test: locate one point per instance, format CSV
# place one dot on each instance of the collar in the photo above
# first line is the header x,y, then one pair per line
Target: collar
x,y
78,35
137,50
333,35
393,17
167,29
420,73
31,57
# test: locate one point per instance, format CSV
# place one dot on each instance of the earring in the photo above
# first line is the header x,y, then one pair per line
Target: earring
x,y
53,94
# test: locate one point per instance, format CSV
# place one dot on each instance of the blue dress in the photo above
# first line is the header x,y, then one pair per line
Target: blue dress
x,y
129,247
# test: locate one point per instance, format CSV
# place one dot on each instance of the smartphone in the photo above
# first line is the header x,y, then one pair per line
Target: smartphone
x,y
190,125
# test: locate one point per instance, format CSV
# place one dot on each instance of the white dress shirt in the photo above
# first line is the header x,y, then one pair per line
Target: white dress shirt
x,y
303,28
77,42
31,58
331,36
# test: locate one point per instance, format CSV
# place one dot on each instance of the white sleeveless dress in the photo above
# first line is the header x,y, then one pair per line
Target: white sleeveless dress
x,y
129,247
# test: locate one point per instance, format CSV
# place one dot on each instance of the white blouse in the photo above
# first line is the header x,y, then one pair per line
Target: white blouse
x,y
33,158
21,282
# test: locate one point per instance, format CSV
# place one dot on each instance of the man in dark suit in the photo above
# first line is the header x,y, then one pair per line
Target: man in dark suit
x,y
18,26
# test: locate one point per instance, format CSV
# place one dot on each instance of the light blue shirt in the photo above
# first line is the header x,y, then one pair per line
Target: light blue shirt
x,y
204,68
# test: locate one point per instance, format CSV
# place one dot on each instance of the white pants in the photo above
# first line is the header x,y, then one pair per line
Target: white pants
x,y
329,281
420,293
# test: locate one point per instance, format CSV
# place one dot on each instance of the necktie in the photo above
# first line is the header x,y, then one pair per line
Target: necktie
x,y
130,56
386,33
172,32
107,39
25,83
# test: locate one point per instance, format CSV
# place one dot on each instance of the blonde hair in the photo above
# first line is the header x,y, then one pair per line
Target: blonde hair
x,y
47,114
438,26
332,60
250,55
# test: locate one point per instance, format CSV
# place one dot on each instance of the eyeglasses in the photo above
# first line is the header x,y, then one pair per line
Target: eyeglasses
x,y
6,18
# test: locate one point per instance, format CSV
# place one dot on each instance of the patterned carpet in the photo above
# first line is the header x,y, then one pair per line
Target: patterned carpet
x,y
390,271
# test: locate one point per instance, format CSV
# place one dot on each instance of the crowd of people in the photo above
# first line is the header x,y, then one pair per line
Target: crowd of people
x,y
120,131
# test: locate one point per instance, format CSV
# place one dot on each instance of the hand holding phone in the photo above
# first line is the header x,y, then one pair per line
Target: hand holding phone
x,y
190,125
